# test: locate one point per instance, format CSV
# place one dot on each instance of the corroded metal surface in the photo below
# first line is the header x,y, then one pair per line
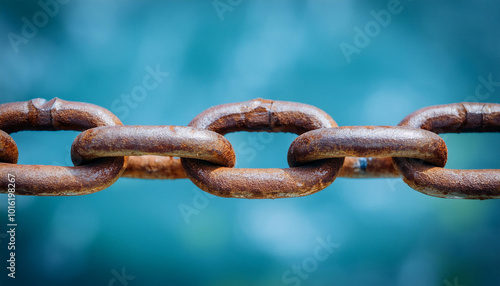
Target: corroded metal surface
x,y
57,114
269,116
448,183
154,167
263,115
262,183
367,141
317,156
8,149
174,141
38,180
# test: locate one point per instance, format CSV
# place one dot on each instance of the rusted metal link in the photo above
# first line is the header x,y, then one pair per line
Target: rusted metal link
x,y
174,141
37,180
367,141
8,149
269,116
263,115
456,118
57,114
447,183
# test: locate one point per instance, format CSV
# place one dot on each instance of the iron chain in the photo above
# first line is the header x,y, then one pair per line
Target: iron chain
x,y
107,150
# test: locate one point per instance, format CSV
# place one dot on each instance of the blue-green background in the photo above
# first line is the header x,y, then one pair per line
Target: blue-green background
x,y
94,51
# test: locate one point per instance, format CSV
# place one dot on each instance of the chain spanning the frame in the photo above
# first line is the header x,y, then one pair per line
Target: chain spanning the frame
x,y
107,150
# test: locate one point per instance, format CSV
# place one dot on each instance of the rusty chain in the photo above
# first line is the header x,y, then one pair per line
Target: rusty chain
x,y
107,150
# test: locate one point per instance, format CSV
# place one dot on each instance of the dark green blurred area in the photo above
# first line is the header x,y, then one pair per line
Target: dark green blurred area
x,y
431,52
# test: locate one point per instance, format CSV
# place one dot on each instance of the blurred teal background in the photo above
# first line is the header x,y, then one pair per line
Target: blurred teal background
x,y
210,53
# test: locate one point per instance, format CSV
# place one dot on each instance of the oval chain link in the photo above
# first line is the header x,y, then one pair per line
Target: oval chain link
x,y
179,141
57,114
449,183
367,141
269,116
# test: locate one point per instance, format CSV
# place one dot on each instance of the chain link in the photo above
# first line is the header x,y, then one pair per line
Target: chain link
x,y
8,149
178,141
107,150
57,114
447,183
270,116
